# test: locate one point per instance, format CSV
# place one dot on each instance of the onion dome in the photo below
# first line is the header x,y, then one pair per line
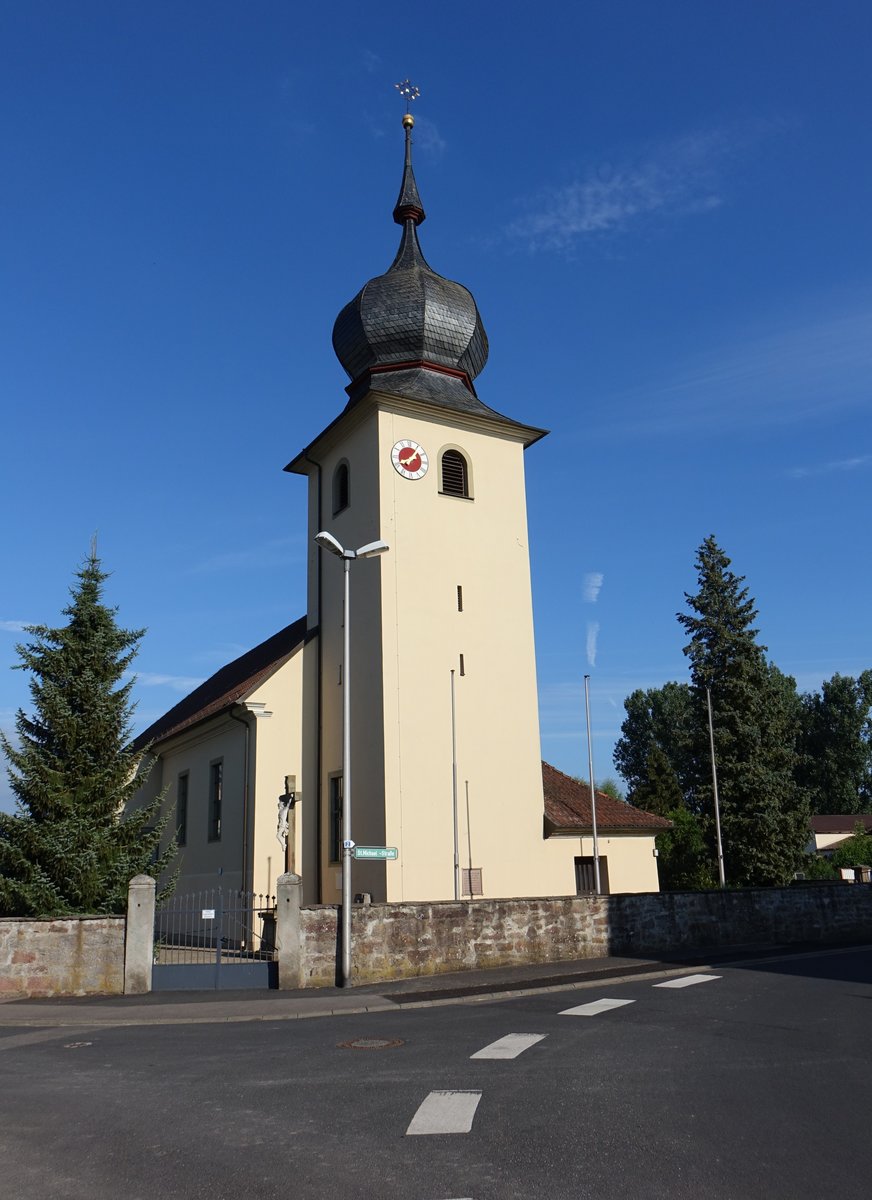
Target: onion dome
x,y
420,334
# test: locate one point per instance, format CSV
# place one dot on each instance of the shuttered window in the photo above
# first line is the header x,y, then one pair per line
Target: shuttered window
x,y
455,474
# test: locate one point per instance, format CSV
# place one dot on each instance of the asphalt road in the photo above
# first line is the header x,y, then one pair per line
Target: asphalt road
x,y
754,1082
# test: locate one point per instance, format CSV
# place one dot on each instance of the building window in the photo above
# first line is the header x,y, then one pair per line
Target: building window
x,y
216,795
182,809
454,474
459,598
335,828
585,875
340,488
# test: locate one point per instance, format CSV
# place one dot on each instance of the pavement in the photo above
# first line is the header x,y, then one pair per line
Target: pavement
x,y
215,1007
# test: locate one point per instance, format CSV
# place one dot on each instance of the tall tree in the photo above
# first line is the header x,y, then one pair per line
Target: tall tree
x,y
764,816
660,792
70,847
835,759
663,718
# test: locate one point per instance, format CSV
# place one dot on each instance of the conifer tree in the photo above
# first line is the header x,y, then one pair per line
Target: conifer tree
x,y
71,846
764,815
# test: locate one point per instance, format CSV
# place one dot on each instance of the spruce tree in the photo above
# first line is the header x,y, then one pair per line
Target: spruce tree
x,y
71,846
764,815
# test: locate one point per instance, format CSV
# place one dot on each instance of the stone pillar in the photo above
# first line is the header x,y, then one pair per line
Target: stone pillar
x,y
139,938
289,892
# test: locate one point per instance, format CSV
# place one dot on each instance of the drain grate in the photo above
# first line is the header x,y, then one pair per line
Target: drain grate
x,y
371,1043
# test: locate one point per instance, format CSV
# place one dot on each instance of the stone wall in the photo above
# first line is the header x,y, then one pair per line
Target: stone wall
x,y
394,941
66,956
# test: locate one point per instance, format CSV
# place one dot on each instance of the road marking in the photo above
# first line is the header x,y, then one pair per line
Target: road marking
x,y
509,1046
445,1112
686,981
40,1035
594,1007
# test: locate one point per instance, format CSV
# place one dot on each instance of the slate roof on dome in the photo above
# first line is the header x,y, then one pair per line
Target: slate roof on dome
x,y
227,686
411,317
567,807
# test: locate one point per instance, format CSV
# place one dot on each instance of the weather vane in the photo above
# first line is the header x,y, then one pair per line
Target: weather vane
x,y
408,91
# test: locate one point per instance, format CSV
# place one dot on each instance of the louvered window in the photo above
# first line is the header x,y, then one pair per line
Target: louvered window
x,y
455,475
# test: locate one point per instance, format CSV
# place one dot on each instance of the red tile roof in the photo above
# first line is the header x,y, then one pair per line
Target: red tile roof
x,y
223,689
567,806
840,822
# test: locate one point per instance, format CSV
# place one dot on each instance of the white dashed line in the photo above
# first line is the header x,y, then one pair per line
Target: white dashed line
x,y
594,1007
686,981
445,1112
509,1046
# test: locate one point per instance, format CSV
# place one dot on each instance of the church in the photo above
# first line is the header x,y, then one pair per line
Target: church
x,y
416,496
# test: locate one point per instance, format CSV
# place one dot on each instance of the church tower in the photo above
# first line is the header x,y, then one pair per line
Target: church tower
x,y
444,715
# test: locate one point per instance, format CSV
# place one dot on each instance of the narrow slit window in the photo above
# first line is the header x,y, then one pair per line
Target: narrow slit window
x,y
462,666
216,797
455,474
341,490
182,810
459,598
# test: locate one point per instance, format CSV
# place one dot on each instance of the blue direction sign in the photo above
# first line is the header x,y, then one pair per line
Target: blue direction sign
x,y
375,852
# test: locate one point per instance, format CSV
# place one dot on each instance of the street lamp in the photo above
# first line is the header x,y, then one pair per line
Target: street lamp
x,y
596,860
708,699
328,542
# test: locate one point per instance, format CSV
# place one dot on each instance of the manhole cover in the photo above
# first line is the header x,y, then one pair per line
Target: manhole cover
x,y
365,1043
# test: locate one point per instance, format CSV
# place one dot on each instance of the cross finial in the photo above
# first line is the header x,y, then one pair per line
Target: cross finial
x,y
408,91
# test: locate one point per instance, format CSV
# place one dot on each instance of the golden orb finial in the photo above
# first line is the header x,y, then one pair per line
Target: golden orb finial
x,y
408,120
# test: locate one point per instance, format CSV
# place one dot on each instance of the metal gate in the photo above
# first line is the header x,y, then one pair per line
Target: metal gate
x,y
215,939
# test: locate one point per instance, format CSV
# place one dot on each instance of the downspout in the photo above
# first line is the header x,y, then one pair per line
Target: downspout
x,y
319,703
245,723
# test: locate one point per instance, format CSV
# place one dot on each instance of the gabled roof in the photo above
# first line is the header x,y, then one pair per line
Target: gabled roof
x,y
567,807
840,822
227,686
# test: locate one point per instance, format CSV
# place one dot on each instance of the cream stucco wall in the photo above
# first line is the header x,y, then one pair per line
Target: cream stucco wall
x,y
278,751
407,635
632,865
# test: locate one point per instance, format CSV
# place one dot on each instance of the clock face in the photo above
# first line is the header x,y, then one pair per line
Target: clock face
x,y
410,460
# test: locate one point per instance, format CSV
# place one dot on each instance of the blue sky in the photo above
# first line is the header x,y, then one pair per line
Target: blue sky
x,y
662,210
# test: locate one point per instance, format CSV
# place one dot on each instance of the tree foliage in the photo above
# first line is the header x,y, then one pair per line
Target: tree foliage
x,y
835,749
664,749
70,847
684,862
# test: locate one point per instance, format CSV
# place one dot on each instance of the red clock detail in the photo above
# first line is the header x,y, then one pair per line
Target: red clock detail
x,y
410,460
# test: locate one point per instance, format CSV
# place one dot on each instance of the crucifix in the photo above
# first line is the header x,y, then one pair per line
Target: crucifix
x,y
287,824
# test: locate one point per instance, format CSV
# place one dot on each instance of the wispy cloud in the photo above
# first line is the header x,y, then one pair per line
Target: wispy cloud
x,y
15,626
804,366
371,61
681,177
593,581
842,464
278,552
590,644
224,653
428,138
176,683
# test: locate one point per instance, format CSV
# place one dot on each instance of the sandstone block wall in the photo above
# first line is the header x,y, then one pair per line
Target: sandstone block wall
x,y
394,941
76,956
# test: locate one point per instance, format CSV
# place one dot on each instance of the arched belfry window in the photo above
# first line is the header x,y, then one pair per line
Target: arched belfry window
x,y
341,492
454,474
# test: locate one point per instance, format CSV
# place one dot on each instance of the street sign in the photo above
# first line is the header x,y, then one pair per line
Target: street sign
x,y
375,852
348,844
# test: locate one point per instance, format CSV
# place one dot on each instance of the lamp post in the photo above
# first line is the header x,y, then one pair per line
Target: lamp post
x,y
721,877
328,542
596,861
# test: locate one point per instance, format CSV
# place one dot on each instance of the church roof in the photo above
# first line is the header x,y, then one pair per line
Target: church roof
x,y
412,321
567,808
227,686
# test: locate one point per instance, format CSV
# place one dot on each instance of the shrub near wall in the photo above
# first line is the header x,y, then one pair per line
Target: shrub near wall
x,y
396,941
75,956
